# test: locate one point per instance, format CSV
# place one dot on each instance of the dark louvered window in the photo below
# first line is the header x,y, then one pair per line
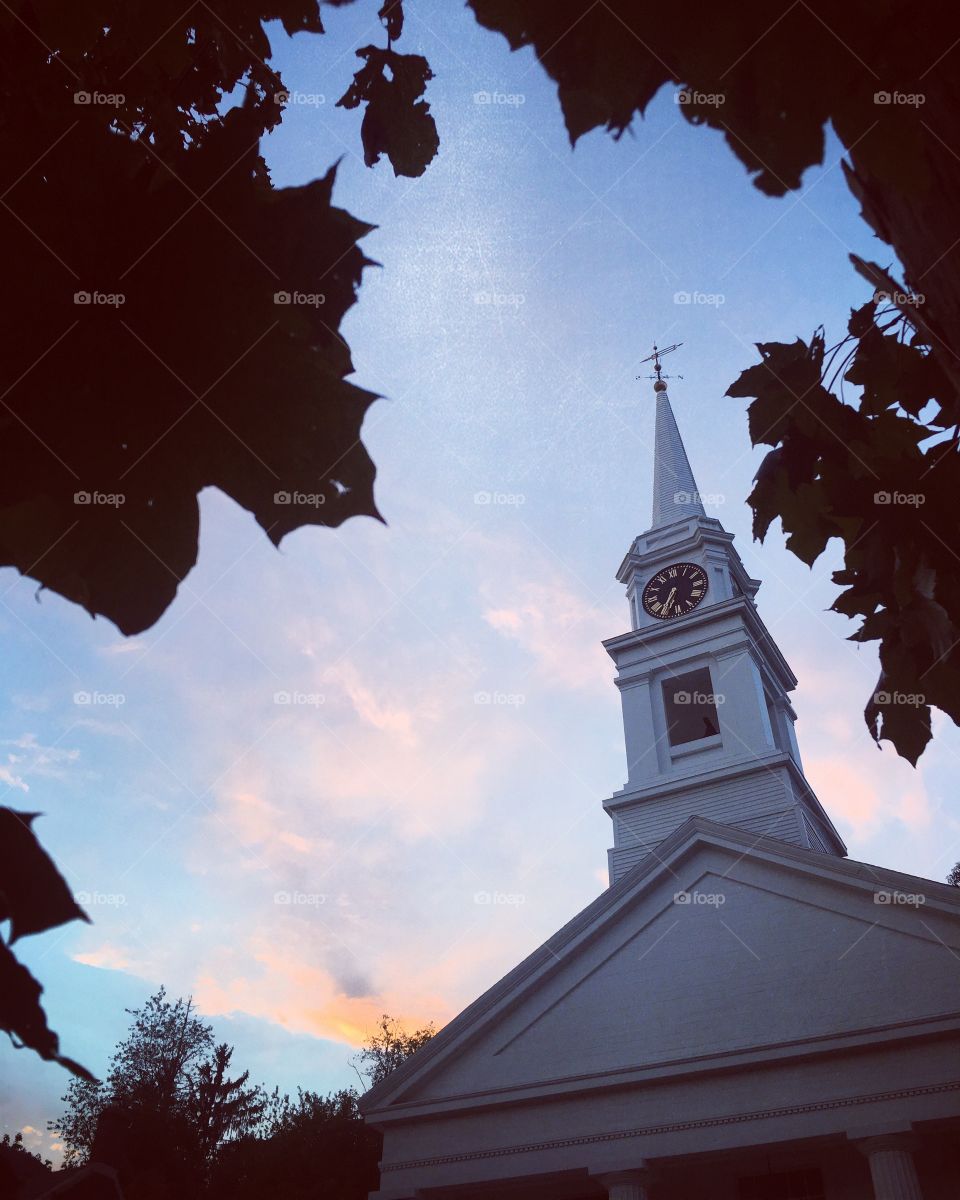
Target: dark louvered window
x,y
690,707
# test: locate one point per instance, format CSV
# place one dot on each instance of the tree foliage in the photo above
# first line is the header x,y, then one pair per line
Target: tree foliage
x,y
20,1167
167,1100
172,322
224,1108
388,1046
19,1164
886,83
315,1145
173,1123
176,317
33,897
862,472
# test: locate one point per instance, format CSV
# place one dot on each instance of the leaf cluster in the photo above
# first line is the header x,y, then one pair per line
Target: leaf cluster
x,y
396,121
158,341
779,81
881,474
34,897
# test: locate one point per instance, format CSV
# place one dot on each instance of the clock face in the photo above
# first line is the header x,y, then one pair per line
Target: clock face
x,y
675,591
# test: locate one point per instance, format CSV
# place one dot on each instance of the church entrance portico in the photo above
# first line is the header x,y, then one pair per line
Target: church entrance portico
x,y
905,1165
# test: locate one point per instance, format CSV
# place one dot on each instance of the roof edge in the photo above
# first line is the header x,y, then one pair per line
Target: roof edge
x,y
551,953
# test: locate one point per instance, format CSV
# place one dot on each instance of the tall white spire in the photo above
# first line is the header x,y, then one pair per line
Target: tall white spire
x,y
707,718
675,492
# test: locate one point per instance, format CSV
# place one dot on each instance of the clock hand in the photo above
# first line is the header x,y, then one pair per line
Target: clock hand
x,y
666,607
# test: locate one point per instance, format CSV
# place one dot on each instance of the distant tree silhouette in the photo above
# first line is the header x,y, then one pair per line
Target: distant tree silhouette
x,y
174,1125
223,1107
311,1147
166,1107
954,875
388,1046
15,1145
18,1165
315,1146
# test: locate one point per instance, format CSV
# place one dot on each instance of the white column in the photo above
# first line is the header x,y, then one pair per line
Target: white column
x,y
627,1185
891,1166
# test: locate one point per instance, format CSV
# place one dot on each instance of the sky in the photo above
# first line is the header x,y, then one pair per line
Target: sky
x,y
427,809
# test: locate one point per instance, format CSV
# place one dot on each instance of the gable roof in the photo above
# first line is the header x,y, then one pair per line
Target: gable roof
x,y
695,836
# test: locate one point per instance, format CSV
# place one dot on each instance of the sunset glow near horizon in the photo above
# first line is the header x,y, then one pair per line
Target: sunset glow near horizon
x,y
364,774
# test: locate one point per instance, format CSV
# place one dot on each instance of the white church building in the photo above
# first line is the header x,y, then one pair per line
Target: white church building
x,y
745,1013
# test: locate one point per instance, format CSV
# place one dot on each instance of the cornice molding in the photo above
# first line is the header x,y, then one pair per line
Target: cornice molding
x,y
705,615
763,1114
747,1058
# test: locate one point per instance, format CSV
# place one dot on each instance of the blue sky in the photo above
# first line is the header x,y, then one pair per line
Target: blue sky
x,y
460,725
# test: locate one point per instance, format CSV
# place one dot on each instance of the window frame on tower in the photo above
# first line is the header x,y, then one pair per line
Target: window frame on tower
x,y
696,683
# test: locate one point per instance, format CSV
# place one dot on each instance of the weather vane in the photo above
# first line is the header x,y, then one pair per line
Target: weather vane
x,y
655,359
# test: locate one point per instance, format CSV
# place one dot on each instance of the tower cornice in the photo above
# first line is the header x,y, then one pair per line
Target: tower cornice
x,y
657,546
628,798
699,622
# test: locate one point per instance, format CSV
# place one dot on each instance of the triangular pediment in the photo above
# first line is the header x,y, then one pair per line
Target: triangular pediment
x,y
728,948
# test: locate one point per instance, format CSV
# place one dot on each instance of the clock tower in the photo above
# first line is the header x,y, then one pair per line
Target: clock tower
x,y
707,717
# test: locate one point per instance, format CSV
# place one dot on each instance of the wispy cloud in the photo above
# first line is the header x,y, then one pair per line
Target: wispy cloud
x,y
558,626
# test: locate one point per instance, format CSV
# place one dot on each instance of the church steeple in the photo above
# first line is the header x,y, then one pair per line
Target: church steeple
x,y
706,710
675,491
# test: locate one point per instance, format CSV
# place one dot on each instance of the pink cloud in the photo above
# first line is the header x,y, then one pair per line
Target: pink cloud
x,y
107,956
560,628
